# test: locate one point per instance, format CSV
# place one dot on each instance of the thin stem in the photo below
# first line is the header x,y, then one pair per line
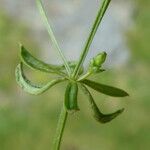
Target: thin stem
x,y
85,76
96,24
51,34
60,129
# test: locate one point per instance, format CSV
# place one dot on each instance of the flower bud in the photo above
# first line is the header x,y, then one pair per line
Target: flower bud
x,y
99,59
96,62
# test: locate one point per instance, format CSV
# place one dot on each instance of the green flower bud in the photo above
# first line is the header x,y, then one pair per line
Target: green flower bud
x,y
99,59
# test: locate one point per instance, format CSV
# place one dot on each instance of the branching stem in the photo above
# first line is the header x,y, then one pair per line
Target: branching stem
x,y
63,115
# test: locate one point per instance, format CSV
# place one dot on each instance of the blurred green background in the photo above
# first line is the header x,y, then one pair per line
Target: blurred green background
x,y
28,122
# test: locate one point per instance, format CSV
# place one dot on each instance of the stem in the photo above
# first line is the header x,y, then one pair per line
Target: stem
x,y
51,34
96,24
85,76
60,129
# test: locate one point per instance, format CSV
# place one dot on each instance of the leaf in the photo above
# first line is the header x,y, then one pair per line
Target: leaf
x,y
37,64
105,89
34,63
51,35
98,115
30,87
71,97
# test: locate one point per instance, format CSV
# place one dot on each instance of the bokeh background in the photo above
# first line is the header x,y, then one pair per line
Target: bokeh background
x,y
28,122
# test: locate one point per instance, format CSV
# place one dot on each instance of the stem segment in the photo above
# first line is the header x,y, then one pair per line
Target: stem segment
x,y
51,34
60,129
96,24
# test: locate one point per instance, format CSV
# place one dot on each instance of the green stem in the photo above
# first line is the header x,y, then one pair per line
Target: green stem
x,y
96,24
51,34
85,76
60,129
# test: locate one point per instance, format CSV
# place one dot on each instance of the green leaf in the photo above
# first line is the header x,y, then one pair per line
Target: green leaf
x,y
98,115
37,64
51,34
34,63
71,97
105,89
98,19
30,87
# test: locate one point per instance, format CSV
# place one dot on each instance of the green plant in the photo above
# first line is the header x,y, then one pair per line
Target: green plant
x,y
73,73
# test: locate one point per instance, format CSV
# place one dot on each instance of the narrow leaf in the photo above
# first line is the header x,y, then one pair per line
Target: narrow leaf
x,y
98,115
98,19
34,63
30,87
71,97
51,35
37,64
105,89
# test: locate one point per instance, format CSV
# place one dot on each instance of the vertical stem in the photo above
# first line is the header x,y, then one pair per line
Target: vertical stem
x,y
60,129
51,34
96,24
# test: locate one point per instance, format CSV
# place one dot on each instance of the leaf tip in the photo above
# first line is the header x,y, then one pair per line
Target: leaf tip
x,y
126,94
110,117
121,111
